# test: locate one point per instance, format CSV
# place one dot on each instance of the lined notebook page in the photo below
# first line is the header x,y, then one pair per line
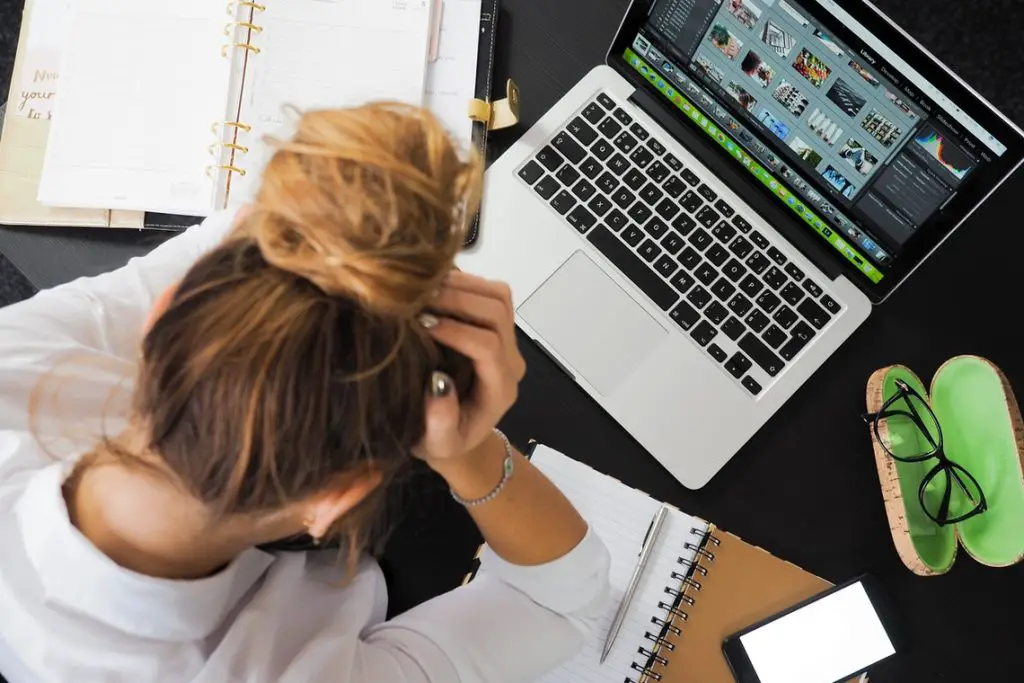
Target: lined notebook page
x,y
451,80
141,84
621,516
326,54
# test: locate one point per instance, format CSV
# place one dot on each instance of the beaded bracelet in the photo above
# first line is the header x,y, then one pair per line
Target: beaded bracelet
x,y
507,468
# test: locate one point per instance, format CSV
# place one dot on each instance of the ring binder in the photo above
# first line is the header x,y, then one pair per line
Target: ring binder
x,y
235,25
699,549
703,571
255,6
645,671
659,641
228,145
667,626
230,124
242,46
651,655
225,167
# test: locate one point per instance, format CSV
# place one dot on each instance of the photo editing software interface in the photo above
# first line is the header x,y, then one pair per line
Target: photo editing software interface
x,y
862,153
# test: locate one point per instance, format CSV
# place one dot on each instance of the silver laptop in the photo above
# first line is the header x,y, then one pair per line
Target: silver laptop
x,y
702,221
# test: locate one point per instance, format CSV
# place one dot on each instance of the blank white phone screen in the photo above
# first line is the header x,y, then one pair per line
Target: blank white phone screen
x,y
821,642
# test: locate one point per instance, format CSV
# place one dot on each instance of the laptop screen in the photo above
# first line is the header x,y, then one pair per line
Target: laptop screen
x,y
859,146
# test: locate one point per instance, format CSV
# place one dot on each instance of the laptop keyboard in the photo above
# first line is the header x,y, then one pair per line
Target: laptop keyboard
x,y
695,256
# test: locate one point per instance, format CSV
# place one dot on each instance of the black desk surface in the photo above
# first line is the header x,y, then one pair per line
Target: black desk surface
x,y
805,487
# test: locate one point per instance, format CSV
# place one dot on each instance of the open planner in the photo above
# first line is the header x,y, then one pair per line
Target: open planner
x,y
194,85
700,585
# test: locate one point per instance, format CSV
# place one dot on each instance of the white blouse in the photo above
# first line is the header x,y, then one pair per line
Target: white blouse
x,y
68,613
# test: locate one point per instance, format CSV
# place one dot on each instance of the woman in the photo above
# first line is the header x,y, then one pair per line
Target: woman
x,y
288,363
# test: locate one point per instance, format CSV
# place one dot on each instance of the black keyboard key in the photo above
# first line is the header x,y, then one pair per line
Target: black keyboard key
x,y
707,193
633,268
785,317
684,224
690,177
634,179
707,217
605,101
700,239
639,131
706,273
741,247
704,333
658,172
691,201
651,194
673,163
758,262
625,142
616,220
682,281
685,315
674,187
794,272
562,202
567,175
724,232
716,312
777,256
757,320
738,365
656,147
623,117
581,219
667,208
649,250
582,131
632,235
549,158
531,172
717,254
591,168
672,242
656,228
768,301
640,213
792,294
608,182
547,187
600,205
666,265
569,148
733,328
758,239
724,208
610,128
593,113
740,305
689,258
602,149
761,354
699,297
775,277
814,313
830,304
741,223
751,385
641,156
812,288
751,285
774,337
723,289
734,270
584,190
618,164
799,336
623,197
717,353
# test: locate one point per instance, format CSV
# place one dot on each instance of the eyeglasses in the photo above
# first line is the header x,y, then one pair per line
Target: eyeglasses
x,y
909,432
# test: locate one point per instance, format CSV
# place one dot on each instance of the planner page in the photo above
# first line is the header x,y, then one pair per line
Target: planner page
x,y
141,85
621,517
451,79
328,54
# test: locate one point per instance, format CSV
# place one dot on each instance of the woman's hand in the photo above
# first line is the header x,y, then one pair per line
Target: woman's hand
x,y
482,328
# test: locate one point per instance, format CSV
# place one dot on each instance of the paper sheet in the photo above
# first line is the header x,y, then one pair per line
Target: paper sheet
x,y
40,70
451,80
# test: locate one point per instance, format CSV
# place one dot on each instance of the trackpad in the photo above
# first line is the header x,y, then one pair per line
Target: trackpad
x,y
592,323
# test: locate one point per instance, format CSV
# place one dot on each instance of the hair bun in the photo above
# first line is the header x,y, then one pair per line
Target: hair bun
x,y
371,203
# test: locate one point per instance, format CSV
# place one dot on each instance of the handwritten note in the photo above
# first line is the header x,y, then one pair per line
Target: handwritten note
x,y
36,92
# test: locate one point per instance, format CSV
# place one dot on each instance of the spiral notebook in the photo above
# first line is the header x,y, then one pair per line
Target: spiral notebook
x,y
700,585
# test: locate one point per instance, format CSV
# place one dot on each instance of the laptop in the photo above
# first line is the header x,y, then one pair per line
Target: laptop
x,y
695,227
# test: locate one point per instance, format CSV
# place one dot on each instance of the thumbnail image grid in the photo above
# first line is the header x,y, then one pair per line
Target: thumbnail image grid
x,y
811,68
728,44
758,69
856,155
881,128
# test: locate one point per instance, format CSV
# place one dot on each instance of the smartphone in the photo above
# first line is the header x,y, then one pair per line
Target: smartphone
x,y
830,638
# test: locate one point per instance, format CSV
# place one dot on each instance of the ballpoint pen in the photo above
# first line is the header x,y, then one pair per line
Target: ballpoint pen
x,y
634,581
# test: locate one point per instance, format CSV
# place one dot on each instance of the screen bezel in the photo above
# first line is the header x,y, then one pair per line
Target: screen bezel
x,y
936,230
736,655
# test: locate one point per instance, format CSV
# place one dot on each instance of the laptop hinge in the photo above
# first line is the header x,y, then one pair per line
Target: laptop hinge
x,y
737,179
